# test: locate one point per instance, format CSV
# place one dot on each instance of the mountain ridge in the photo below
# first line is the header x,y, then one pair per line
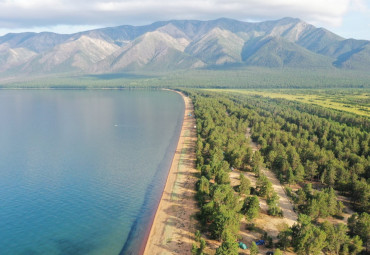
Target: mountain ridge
x,y
182,44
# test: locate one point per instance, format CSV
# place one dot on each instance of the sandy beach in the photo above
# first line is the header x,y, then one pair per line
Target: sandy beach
x,y
173,228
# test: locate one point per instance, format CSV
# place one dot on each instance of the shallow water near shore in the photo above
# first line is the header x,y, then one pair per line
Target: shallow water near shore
x,y
81,172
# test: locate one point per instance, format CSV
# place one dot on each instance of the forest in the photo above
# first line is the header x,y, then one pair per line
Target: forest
x,y
318,155
241,77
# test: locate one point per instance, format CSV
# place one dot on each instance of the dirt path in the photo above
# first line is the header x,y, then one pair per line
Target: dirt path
x,y
174,223
347,211
289,215
286,205
264,223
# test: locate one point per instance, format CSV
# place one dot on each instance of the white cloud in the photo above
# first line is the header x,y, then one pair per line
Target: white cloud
x,y
358,5
46,13
62,29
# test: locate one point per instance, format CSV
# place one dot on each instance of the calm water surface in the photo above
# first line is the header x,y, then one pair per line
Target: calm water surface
x,y
81,172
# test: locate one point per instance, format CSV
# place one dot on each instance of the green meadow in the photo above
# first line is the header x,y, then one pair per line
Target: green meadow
x,y
353,101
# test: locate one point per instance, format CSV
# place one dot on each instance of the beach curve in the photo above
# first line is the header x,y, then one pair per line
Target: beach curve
x,y
173,226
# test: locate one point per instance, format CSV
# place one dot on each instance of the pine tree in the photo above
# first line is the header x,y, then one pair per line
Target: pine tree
x,y
251,207
290,178
229,246
257,159
203,186
254,249
245,185
273,206
299,173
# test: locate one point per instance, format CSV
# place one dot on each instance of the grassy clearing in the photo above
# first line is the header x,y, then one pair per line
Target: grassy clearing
x,y
354,102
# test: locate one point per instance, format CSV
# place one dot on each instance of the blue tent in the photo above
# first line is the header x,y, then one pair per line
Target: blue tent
x,y
260,242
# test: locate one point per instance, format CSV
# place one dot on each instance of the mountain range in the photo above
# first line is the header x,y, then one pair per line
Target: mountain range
x,y
182,44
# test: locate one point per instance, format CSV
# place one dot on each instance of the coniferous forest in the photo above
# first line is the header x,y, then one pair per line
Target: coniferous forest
x,y
319,155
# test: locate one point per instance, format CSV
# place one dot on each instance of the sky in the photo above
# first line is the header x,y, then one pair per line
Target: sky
x,y
347,18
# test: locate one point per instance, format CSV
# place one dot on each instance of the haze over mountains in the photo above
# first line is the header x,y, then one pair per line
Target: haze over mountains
x,y
182,44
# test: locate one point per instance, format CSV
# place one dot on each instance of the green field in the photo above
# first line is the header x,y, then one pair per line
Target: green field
x,y
353,101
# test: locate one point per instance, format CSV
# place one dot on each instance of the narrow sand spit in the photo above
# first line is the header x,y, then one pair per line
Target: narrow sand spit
x,y
173,228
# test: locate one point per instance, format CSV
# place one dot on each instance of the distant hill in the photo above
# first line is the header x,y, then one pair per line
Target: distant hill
x,y
182,45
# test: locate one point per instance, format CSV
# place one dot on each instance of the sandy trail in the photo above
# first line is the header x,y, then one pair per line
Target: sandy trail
x,y
271,225
174,224
290,216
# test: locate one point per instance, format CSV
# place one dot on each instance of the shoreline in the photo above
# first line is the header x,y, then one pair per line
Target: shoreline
x,y
173,217
142,221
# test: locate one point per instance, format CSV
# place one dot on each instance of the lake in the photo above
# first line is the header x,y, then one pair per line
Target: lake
x,y
81,172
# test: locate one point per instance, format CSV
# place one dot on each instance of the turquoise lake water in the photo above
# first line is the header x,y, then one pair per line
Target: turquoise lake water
x,y
81,172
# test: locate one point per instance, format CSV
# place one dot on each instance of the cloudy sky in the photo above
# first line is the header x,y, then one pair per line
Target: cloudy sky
x,y
348,18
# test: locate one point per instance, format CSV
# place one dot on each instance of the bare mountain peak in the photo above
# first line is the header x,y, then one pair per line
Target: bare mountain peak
x,y
155,49
173,31
218,46
178,44
10,58
289,20
158,38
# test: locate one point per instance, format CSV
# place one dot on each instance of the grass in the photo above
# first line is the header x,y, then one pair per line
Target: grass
x,y
357,102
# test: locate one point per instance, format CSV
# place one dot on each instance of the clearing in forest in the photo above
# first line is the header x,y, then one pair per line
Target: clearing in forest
x,y
354,102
